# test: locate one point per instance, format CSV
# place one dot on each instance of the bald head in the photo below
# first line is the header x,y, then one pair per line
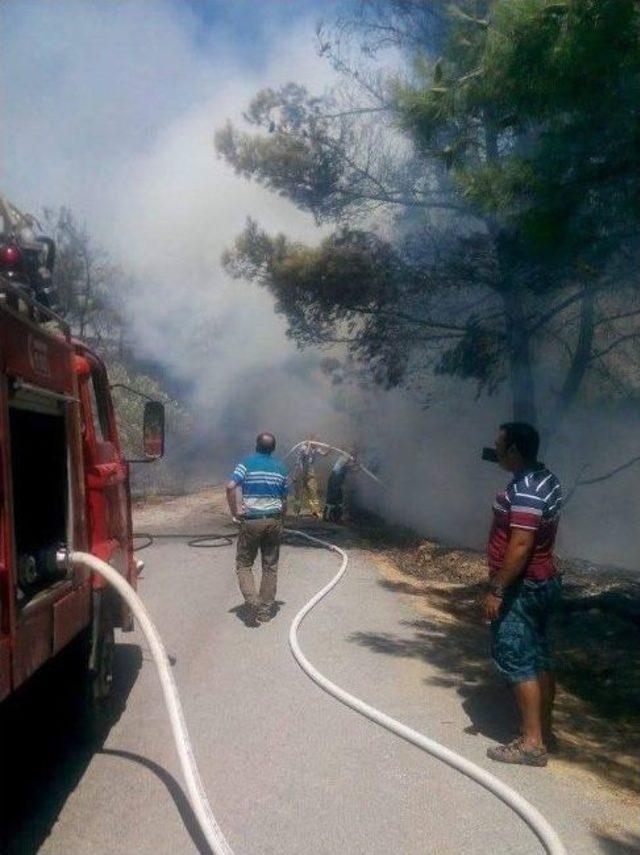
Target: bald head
x,y
265,443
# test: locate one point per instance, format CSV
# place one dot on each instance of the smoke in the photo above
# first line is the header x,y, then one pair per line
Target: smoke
x,y
436,482
111,110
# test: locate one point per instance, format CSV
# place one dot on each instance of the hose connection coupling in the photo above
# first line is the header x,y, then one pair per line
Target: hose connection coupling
x,y
62,559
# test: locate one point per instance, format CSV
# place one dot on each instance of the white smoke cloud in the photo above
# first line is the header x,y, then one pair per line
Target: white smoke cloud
x,y
111,109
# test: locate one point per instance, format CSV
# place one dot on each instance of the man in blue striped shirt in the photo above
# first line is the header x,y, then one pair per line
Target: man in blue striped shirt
x,y
262,480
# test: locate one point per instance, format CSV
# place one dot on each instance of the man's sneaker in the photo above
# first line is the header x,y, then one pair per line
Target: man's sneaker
x,y
515,752
249,614
263,614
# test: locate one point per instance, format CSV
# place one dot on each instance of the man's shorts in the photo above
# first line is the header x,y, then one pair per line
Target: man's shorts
x,y
520,636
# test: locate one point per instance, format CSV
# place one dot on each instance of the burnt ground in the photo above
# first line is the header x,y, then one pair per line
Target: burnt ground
x,y
597,634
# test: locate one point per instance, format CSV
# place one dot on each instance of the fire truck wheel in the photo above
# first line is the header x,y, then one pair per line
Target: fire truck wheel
x,y
102,676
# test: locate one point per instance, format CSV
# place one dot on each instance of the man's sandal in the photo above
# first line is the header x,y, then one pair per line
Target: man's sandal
x,y
550,741
515,752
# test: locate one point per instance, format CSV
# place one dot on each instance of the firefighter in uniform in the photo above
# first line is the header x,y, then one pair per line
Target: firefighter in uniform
x,y
305,483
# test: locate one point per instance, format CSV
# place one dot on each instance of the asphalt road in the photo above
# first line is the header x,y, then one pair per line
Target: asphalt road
x,y
287,768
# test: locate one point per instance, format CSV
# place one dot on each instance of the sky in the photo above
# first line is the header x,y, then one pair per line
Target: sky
x,y
110,107
88,86
252,31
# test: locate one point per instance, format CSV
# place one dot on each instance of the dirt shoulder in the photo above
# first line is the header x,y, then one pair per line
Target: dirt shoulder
x,y
597,641
198,509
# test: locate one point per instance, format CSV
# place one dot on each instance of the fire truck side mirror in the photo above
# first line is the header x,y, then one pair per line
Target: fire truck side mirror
x,y
153,430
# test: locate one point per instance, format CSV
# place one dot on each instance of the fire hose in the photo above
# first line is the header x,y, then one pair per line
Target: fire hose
x,y
197,796
532,817
196,541
333,448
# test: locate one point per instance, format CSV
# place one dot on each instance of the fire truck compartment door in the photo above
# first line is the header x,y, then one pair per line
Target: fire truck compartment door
x,y
70,615
33,645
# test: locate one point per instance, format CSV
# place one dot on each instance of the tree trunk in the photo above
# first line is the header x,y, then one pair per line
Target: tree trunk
x,y
579,362
517,336
523,395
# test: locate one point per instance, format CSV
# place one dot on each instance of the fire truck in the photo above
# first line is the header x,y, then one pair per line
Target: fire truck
x,y
64,482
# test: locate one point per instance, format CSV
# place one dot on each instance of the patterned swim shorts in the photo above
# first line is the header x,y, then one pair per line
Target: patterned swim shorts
x,y
520,636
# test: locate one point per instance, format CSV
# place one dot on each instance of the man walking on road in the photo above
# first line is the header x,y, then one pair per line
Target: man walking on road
x,y
262,479
524,589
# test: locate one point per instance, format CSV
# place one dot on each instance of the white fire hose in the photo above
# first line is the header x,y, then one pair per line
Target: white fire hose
x,y
197,796
533,818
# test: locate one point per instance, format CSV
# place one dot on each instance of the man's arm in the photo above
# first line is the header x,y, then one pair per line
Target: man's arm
x,y
237,480
515,560
232,498
519,549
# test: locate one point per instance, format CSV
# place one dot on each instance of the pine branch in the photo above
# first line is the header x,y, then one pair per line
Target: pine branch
x,y
586,482
617,343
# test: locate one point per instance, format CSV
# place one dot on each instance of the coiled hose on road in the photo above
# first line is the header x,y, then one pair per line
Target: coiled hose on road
x,y
197,796
196,541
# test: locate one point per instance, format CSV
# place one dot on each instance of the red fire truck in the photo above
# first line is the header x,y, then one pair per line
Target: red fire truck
x,y
64,483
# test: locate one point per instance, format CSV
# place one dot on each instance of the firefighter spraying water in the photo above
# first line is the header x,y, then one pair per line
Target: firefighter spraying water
x,y
334,504
305,481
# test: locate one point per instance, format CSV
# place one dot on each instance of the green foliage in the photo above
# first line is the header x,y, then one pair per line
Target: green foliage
x,y
542,57
522,180
580,90
537,114
355,290
350,273
296,157
478,356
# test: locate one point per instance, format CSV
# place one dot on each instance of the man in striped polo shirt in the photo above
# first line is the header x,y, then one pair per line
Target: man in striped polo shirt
x,y
524,588
262,479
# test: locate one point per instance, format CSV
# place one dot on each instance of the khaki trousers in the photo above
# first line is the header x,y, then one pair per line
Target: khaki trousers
x,y
264,535
306,493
